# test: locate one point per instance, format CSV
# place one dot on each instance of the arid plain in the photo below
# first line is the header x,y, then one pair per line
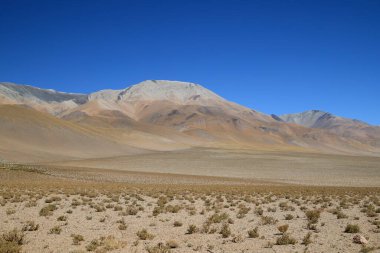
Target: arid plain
x,y
311,203
167,166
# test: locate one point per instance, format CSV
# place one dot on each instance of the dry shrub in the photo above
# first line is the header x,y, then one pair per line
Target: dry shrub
x,y
159,248
283,228
48,210
307,239
268,220
286,239
30,226
352,228
144,235
77,239
253,233
192,229
225,230
11,242
104,244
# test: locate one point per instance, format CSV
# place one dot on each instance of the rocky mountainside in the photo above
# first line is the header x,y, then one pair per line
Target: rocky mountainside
x,y
348,128
43,100
166,115
319,119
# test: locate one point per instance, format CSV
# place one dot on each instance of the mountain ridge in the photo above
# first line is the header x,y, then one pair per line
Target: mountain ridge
x,y
81,97
185,114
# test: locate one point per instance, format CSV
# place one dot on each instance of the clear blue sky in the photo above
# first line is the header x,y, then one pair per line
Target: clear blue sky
x,y
272,56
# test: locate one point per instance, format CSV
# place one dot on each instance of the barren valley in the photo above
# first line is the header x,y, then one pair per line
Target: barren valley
x,y
166,166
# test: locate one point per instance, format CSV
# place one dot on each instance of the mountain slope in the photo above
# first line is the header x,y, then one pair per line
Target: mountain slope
x,y
43,100
344,127
320,119
27,132
30,135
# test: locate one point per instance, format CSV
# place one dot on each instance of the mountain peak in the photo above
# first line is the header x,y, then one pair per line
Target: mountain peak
x,y
174,91
319,119
310,118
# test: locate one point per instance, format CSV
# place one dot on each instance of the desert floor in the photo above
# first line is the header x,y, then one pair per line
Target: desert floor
x,y
274,166
75,206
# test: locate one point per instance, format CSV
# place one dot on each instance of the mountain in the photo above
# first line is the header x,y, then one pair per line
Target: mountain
x,y
320,119
49,101
157,115
349,128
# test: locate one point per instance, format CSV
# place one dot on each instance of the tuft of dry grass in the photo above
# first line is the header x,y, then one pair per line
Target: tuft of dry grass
x,y
159,248
104,244
307,239
55,230
225,231
268,220
77,239
144,235
253,233
283,228
11,242
285,239
192,229
352,228
48,210
30,226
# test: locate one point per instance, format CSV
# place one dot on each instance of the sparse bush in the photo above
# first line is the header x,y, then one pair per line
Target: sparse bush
x,y
55,230
132,210
10,211
192,229
286,239
313,216
350,228
77,239
30,226
225,231
218,218
53,199
159,248
11,242
48,210
283,228
307,239
253,233
144,235
289,217
259,211
341,215
172,209
268,220
14,236
105,244
93,245
62,218
123,225
243,210
238,239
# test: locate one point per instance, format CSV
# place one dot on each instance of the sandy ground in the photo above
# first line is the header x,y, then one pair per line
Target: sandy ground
x,y
93,208
286,167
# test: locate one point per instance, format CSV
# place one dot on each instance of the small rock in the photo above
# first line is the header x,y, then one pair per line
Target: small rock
x,y
360,239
